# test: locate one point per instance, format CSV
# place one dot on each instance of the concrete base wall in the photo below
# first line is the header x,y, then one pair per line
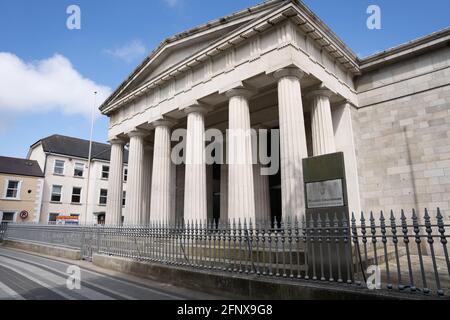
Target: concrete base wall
x,y
53,251
238,287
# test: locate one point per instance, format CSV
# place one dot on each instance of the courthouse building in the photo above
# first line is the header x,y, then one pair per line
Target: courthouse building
x,y
278,66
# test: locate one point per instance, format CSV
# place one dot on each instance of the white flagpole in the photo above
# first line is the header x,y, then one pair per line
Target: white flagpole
x,y
89,157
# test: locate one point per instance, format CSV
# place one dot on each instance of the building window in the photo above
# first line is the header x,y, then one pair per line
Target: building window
x,y
59,167
12,190
79,169
56,193
125,175
105,172
124,195
103,196
52,217
76,195
8,216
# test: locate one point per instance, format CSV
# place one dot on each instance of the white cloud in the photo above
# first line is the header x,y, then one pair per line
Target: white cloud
x,y
128,52
172,3
46,85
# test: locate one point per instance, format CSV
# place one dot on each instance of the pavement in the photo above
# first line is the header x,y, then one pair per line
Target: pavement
x,y
28,276
427,279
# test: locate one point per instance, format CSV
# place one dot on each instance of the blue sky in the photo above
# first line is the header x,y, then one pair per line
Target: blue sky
x,y
58,69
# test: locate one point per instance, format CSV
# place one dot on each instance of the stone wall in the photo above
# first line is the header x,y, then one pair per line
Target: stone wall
x,y
402,134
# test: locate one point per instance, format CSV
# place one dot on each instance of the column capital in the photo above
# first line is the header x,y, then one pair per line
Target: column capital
x,y
196,107
240,91
137,133
289,72
163,123
322,91
117,141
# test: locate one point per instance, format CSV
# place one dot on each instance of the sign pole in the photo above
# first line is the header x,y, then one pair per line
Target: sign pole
x,y
89,157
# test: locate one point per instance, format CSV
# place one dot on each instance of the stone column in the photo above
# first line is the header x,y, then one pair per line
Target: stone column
x,y
115,184
321,122
147,184
292,141
262,194
160,204
135,180
241,196
195,200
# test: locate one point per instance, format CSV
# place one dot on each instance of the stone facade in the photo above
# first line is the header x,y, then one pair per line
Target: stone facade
x,y
403,134
278,66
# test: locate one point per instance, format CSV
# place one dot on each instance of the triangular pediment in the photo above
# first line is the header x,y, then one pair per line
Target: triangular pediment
x,y
181,57
180,47
175,53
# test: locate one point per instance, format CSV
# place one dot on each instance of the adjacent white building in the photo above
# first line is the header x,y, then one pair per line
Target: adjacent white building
x,y
69,195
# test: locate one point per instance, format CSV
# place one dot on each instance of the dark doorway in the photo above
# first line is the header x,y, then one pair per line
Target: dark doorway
x,y
101,218
216,193
275,187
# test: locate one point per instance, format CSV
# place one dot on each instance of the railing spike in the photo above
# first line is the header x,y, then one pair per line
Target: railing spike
x,y
438,214
426,215
403,217
392,216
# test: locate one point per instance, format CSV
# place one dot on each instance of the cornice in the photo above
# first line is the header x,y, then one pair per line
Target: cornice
x,y
440,38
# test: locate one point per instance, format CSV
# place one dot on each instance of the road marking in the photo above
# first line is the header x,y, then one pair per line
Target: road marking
x,y
124,296
85,284
126,282
33,279
9,293
59,279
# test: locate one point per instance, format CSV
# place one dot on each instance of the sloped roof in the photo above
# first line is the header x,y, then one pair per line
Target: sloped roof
x,y
75,147
22,167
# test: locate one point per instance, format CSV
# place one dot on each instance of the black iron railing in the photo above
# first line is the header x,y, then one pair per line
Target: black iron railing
x,y
406,253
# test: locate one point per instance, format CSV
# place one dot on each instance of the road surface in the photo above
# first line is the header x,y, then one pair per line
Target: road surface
x,y
25,276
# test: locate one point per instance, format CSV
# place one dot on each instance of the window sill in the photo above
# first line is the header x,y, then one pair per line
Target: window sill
x,y
104,179
75,204
59,174
102,205
55,202
78,177
11,199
